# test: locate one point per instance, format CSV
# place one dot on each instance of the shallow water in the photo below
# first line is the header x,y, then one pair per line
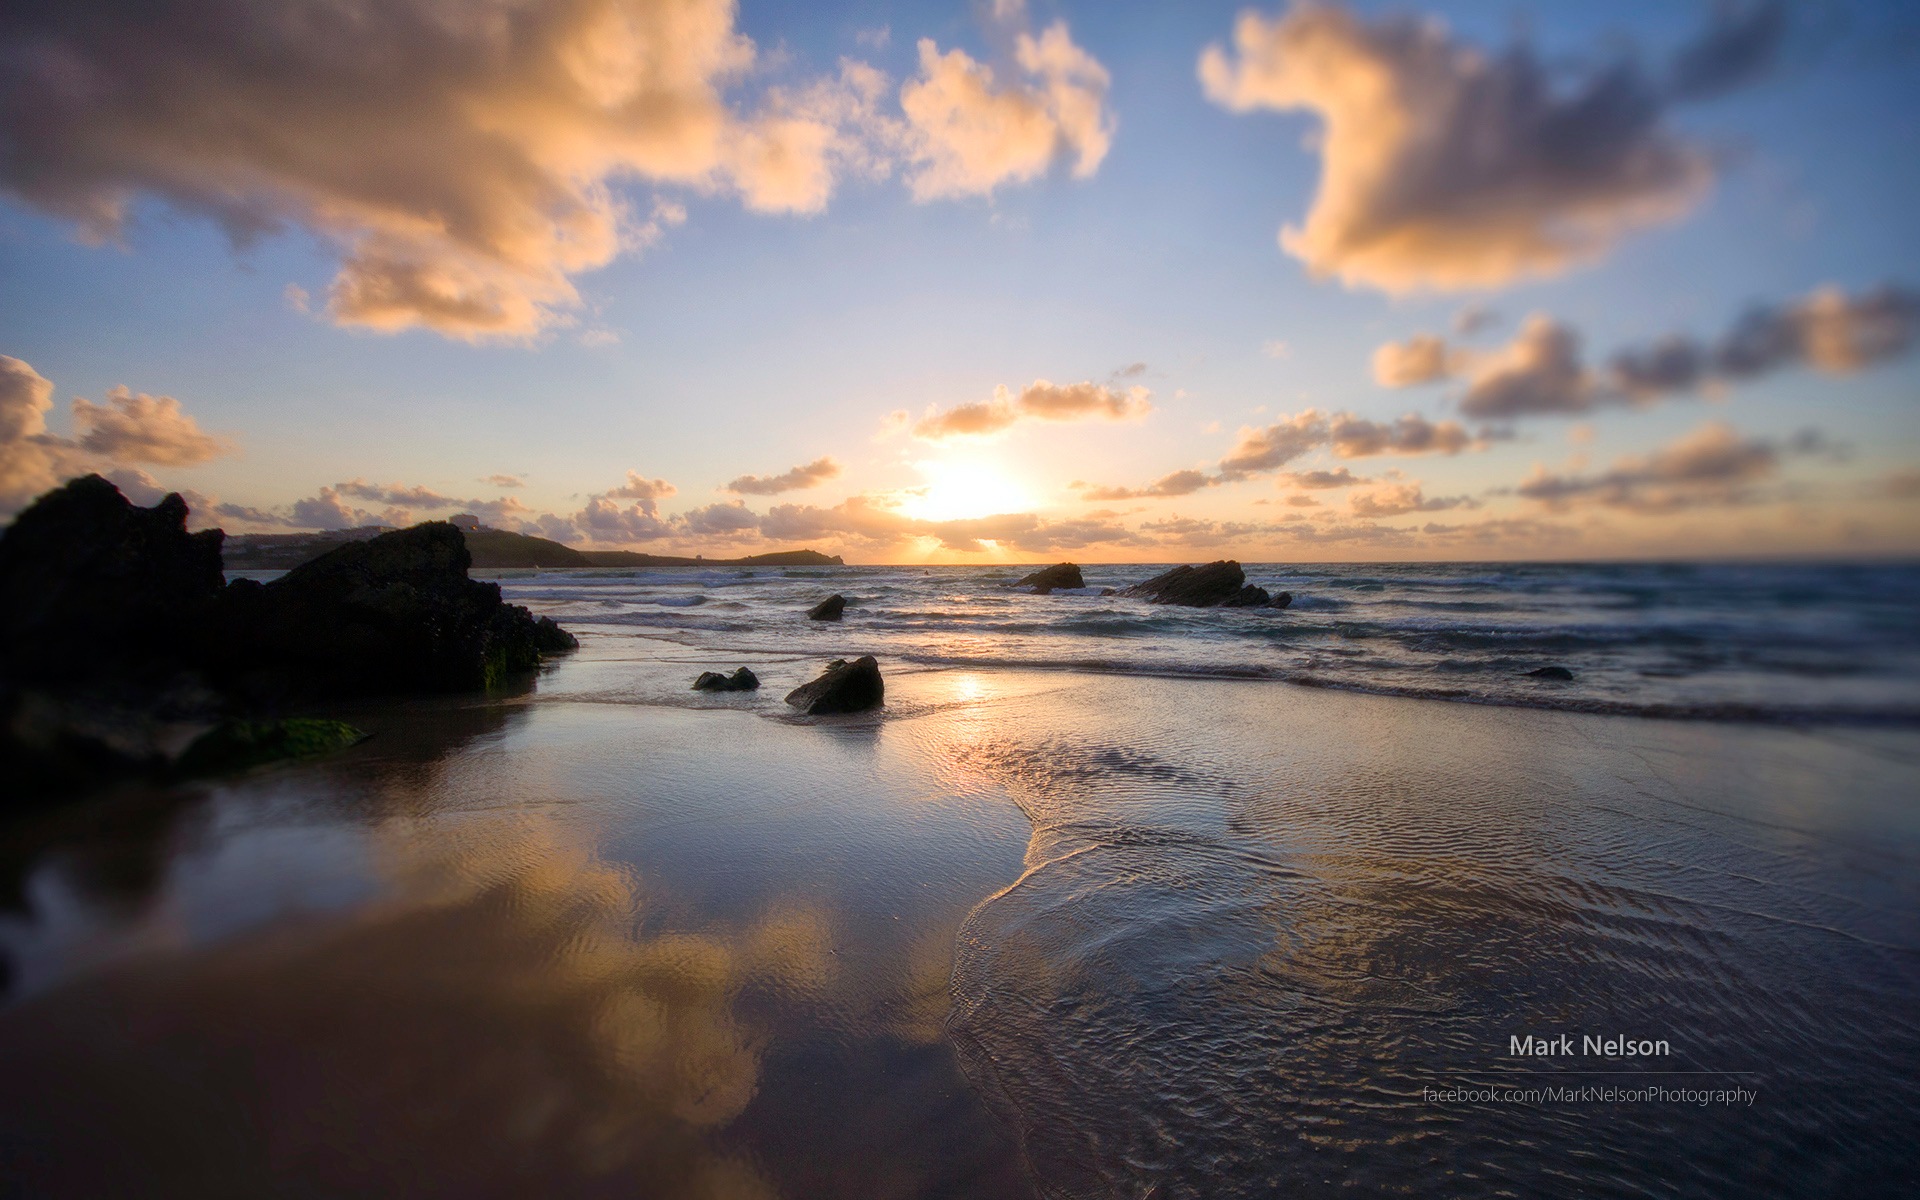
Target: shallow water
x,y
1799,642
1025,932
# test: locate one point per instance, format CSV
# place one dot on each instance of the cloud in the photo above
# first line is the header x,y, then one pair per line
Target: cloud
x,y
873,522
1257,451
336,507
604,520
1826,330
1316,480
647,491
1357,437
465,167
330,510
1179,483
124,430
971,128
1538,372
1391,500
812,474
504,481
1472,319
1741,44
1041,400
1420,359
31,460
1444,167
1275,446
725,521
1713,465
248,515
1542,371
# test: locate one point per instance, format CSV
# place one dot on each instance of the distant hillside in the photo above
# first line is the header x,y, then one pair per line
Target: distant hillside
x,y
492,550
496,548
285,551
778,558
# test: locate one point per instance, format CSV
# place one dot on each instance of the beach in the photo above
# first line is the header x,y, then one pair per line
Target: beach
x,y
1061,932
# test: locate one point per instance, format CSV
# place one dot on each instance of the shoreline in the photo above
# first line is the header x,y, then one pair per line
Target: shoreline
x,y
1082,912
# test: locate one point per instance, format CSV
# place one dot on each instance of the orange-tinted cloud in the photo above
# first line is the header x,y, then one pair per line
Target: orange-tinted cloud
x,y
811,474
1444,167
1041,400
1393,499
971,128
126,429
465,165
143,429
1179,483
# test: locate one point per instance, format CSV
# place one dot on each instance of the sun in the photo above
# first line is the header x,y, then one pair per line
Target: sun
x,y
959,488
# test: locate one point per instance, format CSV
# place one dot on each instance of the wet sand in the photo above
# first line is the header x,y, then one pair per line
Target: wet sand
x,y
1024,932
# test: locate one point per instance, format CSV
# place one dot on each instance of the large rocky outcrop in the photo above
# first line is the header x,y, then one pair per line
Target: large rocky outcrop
x,y
121,643
1217,585
845,687
394,614
1059,575
95,589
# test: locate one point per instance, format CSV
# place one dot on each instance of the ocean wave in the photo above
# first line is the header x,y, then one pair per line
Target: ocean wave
x,y
1672,640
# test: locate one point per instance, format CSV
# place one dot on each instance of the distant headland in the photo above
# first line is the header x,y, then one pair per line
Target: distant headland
x,y
492,549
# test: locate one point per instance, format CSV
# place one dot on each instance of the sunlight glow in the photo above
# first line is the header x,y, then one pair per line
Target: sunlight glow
x,y
959,488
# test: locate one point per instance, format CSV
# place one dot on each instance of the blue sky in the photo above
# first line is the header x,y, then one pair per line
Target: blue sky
x,y
750,342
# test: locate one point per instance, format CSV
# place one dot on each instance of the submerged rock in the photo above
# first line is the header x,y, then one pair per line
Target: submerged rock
x,y
1282,600
1217,585
1059,575
742,680
828,609
235,745
1560,673
845,687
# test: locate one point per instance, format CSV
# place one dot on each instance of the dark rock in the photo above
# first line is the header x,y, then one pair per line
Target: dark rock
x,y
393,614
236,745
828,609
741,680
1560,673
1059,575
121,642
549,638
1283,599
1217,585
93,587
845,687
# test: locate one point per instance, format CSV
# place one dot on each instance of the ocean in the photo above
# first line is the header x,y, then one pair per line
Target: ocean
x,y
1099,904
1799,642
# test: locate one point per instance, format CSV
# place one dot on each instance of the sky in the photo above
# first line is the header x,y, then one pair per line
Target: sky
x,y
976,281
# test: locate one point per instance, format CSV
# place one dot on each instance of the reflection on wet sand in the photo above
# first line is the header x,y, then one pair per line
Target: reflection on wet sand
x,y
506,1029
513,949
